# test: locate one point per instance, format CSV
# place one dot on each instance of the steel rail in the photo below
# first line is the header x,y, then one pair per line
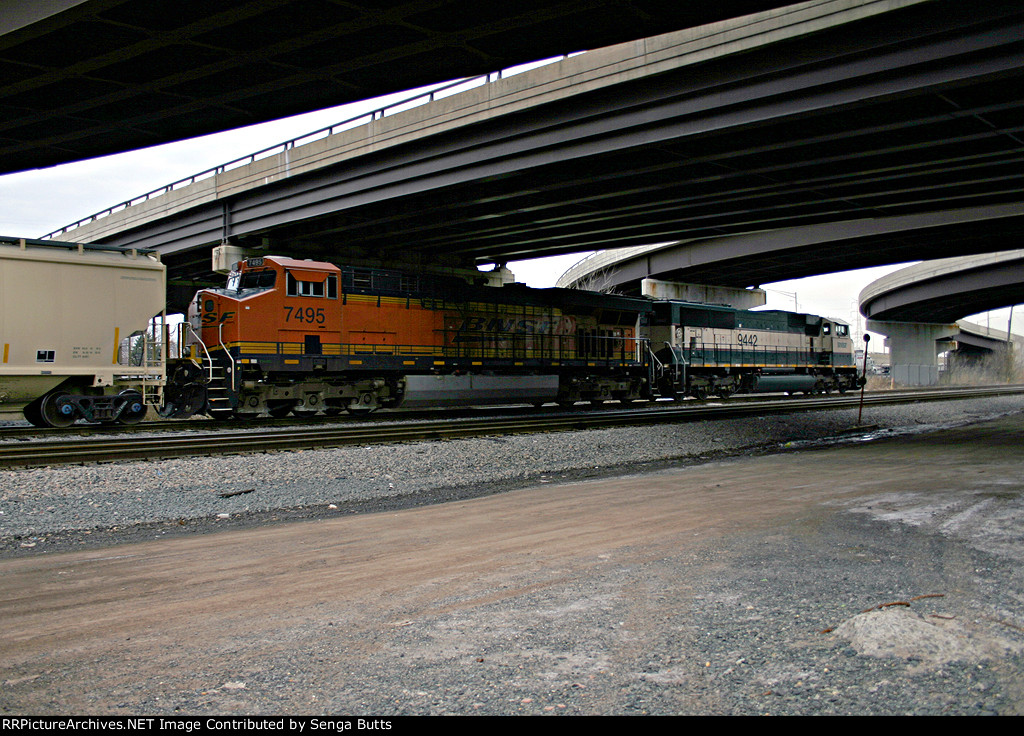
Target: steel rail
x,y
449,414
321,437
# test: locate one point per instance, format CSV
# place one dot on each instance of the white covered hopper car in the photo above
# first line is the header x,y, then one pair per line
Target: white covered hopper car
x,y
67,316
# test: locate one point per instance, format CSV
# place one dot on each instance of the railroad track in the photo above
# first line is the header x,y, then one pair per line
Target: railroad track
x,y
134,447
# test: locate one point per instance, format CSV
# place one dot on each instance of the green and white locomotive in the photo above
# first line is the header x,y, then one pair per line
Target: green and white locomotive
x,y
704,350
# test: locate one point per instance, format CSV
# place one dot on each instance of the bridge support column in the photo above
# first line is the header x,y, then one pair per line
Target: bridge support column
x,y
914,353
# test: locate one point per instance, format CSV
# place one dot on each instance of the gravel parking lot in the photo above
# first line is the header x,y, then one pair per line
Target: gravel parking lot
x,y
738,567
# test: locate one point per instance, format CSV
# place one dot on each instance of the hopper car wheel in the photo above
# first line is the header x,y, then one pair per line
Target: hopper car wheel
x,y
303,413
359,411
842,388
135,412
246,416
33,416
566,404
55,415
333,411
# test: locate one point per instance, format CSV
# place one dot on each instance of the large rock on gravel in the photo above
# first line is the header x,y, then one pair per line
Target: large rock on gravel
x,y
899,632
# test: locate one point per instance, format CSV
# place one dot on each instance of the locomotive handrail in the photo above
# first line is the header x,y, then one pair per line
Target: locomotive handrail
x,y
233,365
517,348
189,328
730,354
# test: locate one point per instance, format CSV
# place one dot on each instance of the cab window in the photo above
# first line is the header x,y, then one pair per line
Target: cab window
x,y
326,288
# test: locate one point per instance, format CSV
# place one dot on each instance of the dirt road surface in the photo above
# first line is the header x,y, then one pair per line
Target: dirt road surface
x,y
706,589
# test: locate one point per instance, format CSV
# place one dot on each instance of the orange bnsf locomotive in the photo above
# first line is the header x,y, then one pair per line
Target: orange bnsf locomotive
x,y
299,337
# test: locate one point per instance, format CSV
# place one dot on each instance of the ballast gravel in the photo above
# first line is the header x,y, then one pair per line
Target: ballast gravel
x,y
68,506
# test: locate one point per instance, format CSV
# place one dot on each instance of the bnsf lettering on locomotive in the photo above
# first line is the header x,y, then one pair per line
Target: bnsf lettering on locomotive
x,y
500,324
472,324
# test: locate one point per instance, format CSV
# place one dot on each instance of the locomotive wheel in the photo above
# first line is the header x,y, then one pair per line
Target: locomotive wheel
x,y
279,409
699,392
54,415
135,412
668,389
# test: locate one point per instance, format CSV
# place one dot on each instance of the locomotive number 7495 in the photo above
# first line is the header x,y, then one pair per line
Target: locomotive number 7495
x,y
308,315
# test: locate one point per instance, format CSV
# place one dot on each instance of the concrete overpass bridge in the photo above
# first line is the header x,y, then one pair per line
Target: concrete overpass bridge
x,y
895,125
84,78
756,258
916,307
975,339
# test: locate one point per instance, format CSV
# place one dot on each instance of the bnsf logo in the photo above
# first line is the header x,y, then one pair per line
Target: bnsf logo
x,y
560,326
212,317
499,324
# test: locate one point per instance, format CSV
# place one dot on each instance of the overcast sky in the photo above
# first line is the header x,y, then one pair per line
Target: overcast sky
x,y
36,202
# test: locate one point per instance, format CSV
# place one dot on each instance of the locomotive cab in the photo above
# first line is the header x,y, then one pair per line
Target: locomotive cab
x,y
276,316
287,302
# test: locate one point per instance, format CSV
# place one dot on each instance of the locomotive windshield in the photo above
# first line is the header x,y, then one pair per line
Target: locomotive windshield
x,y
251,280
257,279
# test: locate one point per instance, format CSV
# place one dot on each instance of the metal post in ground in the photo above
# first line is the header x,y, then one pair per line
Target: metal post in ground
x,y
860,410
